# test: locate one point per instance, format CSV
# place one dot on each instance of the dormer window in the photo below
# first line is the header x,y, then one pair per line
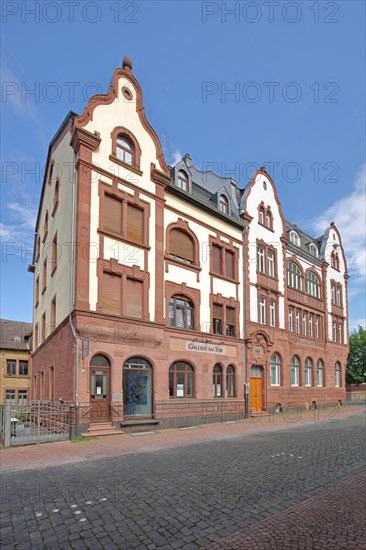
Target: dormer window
x,y
224,204
313,250
294,238
182,180
124,149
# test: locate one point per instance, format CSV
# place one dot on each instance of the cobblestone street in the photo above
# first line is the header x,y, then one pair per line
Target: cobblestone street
x,y
301,487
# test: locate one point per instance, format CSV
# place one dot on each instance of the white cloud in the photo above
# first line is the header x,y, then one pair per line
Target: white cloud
x,y
14,94
349,215
176,156
21,225
354,324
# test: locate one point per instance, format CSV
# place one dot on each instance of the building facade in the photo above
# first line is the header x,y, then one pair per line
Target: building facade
x,y
15,367
164,293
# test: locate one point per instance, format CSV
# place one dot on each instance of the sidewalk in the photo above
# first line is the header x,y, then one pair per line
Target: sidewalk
x,y
46,455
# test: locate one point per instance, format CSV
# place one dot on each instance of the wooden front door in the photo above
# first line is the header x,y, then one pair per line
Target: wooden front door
x,y
99,394
256,389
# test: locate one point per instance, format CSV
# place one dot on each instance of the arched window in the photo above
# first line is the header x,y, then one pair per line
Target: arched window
x,y
294,276
261,215
294,238
334,260
182,180
217,381
100,361
181,246
275,370
295,371
180,380
337,375
313,250
230,381
269,218
124,149
319,373
308,372
312,284
137,387
224,204
180,312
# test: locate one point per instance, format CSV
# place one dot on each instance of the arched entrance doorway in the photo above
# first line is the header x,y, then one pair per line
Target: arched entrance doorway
x,y
100,388
137,388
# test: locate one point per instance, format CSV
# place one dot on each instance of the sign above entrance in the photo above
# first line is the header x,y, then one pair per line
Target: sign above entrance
x,y
205,348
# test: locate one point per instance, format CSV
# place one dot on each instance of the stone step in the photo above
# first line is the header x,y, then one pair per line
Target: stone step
x,y
95,433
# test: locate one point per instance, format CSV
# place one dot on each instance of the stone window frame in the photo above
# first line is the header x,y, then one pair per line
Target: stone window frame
x,y
225,303
217,241
136,161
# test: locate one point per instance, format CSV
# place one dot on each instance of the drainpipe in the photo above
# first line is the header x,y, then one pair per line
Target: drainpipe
x,y
246,385
72,273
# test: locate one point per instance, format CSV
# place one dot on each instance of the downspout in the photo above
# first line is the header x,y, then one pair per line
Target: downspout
x,y
72,272
246,386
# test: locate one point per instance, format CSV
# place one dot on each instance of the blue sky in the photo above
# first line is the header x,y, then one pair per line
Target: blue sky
x,y
235,84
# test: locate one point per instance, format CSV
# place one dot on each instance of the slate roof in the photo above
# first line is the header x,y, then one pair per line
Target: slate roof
x,y
14,334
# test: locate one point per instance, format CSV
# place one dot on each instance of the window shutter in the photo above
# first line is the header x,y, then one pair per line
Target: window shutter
x,y
181,245
217,311
135,218
112,293
133,299
112,215
229,264
216,259
230,316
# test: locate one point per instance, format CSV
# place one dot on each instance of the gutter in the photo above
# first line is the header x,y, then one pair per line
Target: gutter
x,y
246,385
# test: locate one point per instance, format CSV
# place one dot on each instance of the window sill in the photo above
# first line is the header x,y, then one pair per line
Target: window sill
x,y
135,169
184,265
224,278
266,227
123,239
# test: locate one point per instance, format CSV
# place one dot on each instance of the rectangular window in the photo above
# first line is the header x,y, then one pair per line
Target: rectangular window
x,y
36,337
319,376
135,224
36,292
22,396
230,321
294,376
54,254
272,313
338,296
112,294
275,374
216,259
333,293
261,263
112,215
44,327
334,331
10,396
311,325
53,313
262,310
317,327
217,318
133,301
11,366
271,263
304,324
307,376
340,339
51,384
229,264
44,276
297,322
23,368
290,319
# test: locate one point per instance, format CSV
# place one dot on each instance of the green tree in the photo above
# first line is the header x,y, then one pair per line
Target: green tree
x,y
356,363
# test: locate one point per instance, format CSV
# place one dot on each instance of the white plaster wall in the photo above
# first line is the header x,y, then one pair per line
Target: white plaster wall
x,y
257,231
338,276
59,283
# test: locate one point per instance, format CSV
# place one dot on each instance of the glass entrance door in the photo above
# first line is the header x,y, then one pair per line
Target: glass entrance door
x,y
137,388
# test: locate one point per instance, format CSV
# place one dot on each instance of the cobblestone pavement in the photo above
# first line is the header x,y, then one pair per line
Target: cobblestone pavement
x,y
295,488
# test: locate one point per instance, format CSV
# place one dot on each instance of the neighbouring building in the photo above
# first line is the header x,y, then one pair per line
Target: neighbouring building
x,y
162,293
15,368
